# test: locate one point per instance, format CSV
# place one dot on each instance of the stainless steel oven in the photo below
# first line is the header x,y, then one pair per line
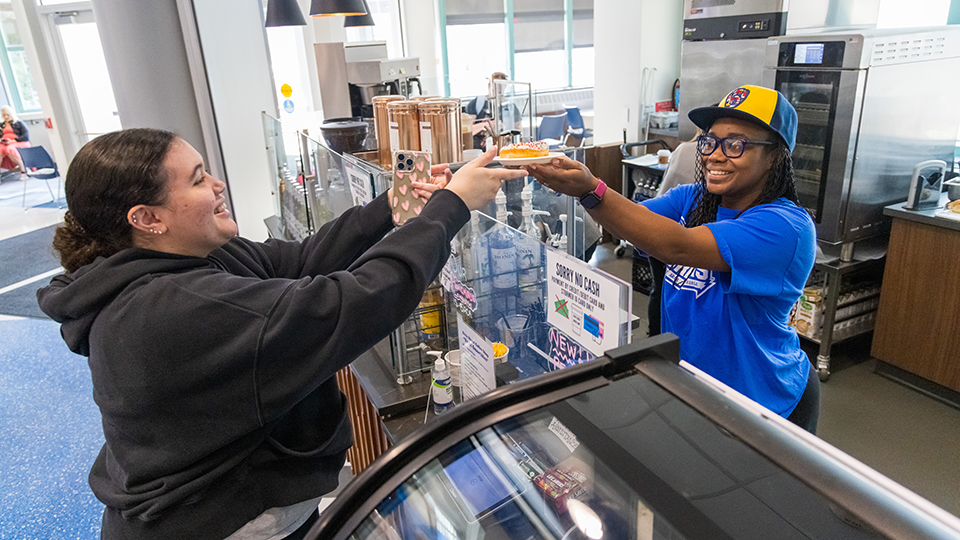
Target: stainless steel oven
x,y
733,19
871,105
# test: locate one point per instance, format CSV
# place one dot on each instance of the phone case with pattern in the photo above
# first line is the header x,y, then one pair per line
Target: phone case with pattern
x,y
408,166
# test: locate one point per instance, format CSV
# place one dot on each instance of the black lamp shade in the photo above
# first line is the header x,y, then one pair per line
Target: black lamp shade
x,y
284,13
333,8
359,20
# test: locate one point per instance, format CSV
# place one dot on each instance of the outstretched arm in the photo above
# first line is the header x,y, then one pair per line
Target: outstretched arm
x,y
659,236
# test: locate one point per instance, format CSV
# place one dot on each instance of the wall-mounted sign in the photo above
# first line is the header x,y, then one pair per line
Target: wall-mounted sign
x,y
286,91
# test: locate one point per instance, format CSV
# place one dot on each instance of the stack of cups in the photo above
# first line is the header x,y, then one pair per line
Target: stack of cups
x,y
453,362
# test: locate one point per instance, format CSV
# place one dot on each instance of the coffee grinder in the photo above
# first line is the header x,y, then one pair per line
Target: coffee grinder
x,y
352,74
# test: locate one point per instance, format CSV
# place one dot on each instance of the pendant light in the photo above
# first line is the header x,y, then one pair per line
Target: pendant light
x,y
359,20
334,8
284,13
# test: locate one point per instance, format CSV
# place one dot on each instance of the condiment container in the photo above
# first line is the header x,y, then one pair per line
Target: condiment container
x,y
382,127
440,130
403,118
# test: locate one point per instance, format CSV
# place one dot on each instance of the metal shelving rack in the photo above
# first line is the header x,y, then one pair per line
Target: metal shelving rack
x,y
832,273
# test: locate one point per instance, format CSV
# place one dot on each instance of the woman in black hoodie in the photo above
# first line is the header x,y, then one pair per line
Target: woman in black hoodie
x,y
213,357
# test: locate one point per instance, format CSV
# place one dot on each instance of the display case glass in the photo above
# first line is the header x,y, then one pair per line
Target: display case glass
x,y
631,446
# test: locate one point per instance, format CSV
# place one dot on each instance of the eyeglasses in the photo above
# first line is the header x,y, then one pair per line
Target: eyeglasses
x,y
731,147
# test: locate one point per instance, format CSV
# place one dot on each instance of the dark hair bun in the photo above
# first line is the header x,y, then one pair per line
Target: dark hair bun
x,y
75,246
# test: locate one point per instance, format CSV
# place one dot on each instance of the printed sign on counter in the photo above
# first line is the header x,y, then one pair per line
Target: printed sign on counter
x,y
564,352
359,180
476,361
583,302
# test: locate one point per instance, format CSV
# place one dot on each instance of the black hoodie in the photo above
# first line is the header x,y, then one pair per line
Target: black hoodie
x,y
215,376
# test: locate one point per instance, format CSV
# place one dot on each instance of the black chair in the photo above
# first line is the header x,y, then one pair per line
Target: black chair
x,y
38,164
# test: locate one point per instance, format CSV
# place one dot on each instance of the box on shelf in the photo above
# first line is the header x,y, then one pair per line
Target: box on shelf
x,y
664,119
807,315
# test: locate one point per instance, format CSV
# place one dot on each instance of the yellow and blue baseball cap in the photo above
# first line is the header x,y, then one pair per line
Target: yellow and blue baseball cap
x,y
755,104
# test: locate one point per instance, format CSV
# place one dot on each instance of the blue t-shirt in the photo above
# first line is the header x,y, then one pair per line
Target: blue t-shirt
x,y
733,325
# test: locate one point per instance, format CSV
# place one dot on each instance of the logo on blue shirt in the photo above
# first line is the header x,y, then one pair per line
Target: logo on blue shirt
x,y
686,278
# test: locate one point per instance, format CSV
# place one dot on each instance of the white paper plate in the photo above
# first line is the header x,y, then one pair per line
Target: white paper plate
x,y
519,162
947,214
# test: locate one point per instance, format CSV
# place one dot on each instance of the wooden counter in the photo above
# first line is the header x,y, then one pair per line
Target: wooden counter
x,y
918,322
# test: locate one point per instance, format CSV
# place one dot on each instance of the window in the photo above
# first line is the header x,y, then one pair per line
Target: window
x,y
546,42
469,67
539,43
386,18
16,73
582,60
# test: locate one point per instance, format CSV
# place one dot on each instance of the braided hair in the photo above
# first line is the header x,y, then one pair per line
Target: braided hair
x,y
780,184
110,175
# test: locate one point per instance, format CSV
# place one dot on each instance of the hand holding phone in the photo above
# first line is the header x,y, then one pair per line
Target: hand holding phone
x,y
408,166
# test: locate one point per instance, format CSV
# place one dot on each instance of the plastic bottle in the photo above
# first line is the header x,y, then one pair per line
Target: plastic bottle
x,y
529,251
430,307
323,212
503,261
339,197
480,256
562,241
442,390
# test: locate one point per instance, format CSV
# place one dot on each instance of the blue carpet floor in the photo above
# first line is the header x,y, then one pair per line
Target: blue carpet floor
x,y
51,434
23,257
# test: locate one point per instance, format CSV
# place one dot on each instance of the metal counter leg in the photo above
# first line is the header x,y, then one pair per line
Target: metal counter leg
x,y
832,276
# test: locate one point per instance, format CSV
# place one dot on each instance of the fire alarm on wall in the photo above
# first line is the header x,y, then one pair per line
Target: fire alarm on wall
x,y
48,123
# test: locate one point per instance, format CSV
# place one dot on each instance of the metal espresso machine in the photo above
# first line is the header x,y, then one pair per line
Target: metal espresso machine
x,y
352,74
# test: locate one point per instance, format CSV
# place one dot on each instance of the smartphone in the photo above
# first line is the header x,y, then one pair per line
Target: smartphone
x,y
408,166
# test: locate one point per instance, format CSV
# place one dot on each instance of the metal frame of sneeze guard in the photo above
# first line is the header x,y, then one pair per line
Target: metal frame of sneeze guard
x,y
504,94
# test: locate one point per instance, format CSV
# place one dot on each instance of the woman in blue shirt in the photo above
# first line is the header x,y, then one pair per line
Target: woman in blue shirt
x,y
738,249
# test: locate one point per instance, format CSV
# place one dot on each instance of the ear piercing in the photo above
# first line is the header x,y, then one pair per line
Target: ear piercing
x,y
154,231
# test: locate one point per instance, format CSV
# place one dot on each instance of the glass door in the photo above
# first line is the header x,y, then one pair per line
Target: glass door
x,y
83,77
814,95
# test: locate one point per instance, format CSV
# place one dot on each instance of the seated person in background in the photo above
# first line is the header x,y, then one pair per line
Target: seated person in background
x,y
15,135
480,107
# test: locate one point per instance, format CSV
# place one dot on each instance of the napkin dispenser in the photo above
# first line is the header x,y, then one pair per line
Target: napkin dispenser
x,y
926,182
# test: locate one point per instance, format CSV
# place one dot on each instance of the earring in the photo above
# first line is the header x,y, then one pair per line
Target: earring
x,y
154,231
134,220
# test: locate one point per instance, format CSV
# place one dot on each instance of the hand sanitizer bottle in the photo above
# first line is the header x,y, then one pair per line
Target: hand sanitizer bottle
x,y
442,391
